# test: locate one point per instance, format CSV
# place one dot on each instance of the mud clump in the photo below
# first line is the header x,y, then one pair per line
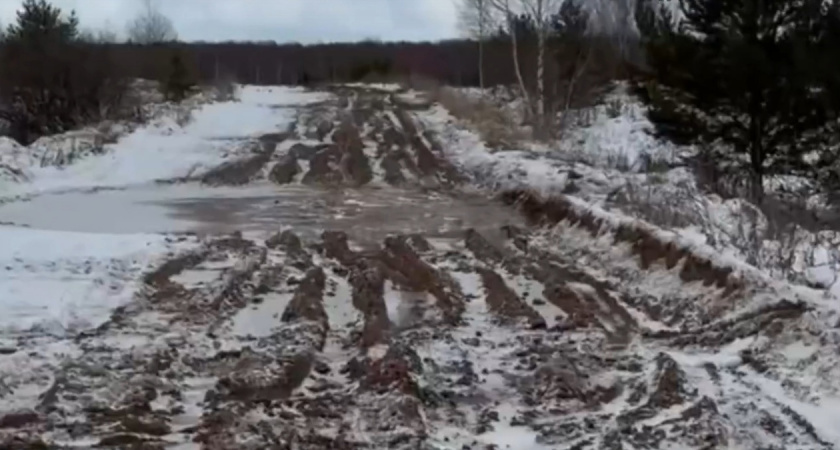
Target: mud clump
x,y
305,152
19,419
428,163
343,163
323,129
337,246
396,162
482,248
285,240
394,370
419,276
285,170
367,279
153,427
670,388
419,243
308,300
324,167
368,282
126,439
235,291
556,380
237,173
269,141
290,243
354,163
504,302
570,301
251,384
174,266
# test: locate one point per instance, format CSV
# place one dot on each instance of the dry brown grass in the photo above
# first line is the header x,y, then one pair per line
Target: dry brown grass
x,y
497,129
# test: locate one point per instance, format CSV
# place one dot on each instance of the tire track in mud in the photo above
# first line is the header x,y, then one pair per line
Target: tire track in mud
x,y
467,342
359,137
245,344
281,343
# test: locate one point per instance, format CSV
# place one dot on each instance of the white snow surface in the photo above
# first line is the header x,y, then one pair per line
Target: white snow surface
x,y
57,283
803,362
612,151
162,149
64,282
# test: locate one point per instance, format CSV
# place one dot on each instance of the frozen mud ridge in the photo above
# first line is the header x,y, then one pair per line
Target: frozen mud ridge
x,y
337,284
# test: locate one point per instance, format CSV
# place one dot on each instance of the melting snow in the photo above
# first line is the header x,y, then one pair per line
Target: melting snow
x,y
261,319
163,150
65,281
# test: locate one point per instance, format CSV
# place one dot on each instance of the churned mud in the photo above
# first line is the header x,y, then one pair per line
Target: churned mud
x,y
370,302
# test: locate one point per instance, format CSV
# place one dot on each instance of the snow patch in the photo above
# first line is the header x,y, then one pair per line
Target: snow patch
x,y
62,282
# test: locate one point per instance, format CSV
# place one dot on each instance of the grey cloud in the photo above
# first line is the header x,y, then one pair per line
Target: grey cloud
x,y
281,20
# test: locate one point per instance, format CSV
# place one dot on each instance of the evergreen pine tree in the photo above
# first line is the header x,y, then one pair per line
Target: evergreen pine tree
x,y
743,78
39,21
178,82
37,70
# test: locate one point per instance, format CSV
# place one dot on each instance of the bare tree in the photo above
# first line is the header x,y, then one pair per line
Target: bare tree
x,y
541,12
476,20
615,18
151,26
100,36
508,10
576,52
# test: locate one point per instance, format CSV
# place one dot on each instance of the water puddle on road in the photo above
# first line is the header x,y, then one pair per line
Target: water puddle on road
x,y
366,214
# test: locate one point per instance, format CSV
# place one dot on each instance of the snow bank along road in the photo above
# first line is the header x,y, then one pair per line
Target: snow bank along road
x,y
353,291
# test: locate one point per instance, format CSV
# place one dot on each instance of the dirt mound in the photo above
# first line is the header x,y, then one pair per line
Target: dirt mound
x,y
364,136
646,244
244,170
462,339
342,164
313,344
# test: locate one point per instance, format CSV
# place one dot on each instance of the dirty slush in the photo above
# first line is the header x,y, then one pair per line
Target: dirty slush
x,y
376,335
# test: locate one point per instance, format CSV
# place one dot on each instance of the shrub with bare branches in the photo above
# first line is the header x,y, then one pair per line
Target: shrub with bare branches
x,y
769,237
151,26
496,128
54,80
225,89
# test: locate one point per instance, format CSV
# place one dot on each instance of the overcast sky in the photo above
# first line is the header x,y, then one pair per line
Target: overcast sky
x,y
280,20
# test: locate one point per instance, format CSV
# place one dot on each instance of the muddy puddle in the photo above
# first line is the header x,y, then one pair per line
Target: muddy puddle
x,y
365,214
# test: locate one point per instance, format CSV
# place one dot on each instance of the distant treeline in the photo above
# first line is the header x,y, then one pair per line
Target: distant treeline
x,y
453,62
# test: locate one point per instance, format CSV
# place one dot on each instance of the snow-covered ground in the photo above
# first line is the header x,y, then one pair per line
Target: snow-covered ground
x,y
522,338
65,281
611,161
182,143
611,155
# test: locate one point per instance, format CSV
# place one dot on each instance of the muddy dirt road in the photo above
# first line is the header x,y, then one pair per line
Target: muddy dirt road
x,y
394,309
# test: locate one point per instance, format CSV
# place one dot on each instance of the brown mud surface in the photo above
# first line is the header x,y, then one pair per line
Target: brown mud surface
x,y
486,336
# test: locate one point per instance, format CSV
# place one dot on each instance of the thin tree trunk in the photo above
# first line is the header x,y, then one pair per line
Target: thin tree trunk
x,y
540,64
756,150
482,17
541,75
515,50
481,62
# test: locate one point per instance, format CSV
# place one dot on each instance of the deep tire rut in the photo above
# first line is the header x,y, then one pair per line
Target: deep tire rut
x,y
520,337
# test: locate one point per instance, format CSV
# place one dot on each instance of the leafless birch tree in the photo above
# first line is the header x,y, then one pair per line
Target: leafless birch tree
x,y
476,20
541,12
151,26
